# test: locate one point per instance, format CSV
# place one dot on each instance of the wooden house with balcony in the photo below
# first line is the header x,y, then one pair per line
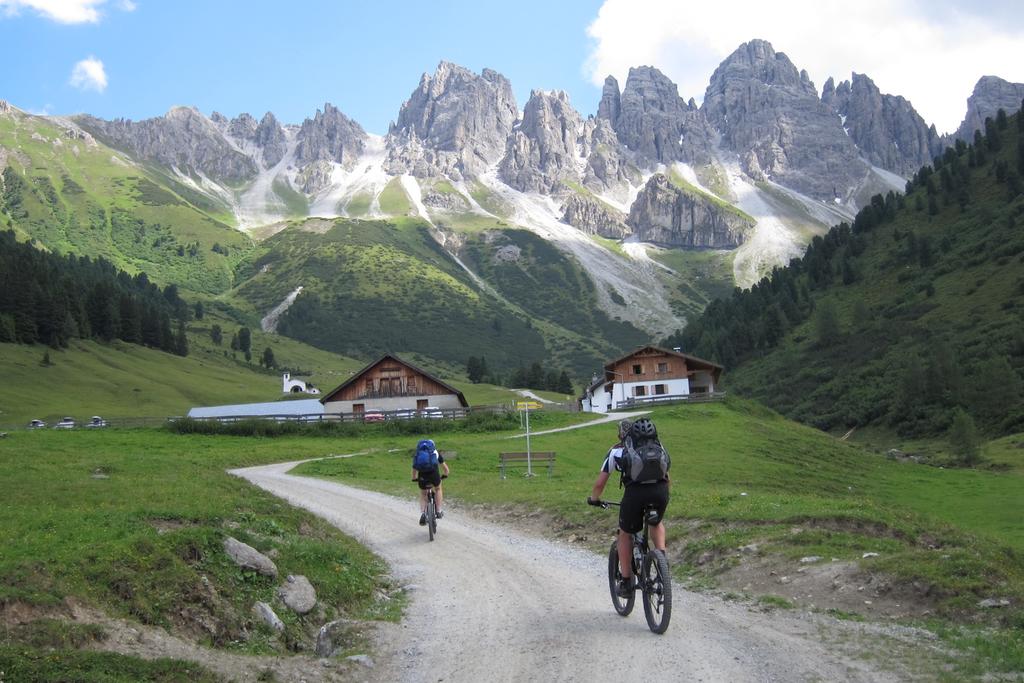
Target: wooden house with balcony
x,y
391,384
648,375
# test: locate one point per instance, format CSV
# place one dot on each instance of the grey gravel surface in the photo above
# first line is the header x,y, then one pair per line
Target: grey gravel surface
x,y
489,603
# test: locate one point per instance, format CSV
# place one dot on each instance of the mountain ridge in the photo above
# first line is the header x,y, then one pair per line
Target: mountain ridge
x,y
752,177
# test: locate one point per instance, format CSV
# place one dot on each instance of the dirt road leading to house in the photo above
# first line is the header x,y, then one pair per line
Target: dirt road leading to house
x,y
491,604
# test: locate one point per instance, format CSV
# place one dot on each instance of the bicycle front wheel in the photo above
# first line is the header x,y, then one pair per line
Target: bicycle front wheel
x,y
657,591
622,605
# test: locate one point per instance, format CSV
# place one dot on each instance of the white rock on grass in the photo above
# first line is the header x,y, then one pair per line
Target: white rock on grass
x,y
267,615
298,594
247,557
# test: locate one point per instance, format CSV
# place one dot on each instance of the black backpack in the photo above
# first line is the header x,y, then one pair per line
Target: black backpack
x,y
644,462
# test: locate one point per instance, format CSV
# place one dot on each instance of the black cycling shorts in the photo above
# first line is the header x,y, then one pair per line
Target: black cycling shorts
x,y
429,478
636,497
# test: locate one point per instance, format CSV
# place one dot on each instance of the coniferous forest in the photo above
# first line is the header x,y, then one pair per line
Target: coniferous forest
x,y
50,299
909,318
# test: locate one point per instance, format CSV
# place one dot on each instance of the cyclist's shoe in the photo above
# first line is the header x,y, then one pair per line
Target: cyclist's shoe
x,y
423,520
625,587
439,514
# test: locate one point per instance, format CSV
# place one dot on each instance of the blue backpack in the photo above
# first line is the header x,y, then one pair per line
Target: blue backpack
x,y
425,459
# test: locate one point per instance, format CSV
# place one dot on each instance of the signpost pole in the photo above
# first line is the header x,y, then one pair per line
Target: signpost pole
x,y
529,464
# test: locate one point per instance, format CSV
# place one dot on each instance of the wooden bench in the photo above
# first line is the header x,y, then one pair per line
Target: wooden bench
x,y
506,460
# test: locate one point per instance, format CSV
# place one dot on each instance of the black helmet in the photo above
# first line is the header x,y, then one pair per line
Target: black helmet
x,y
644,429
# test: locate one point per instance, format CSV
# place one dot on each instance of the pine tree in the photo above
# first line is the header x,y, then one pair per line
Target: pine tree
x,y
181,340
245,342
473,370
268,358
216,334
963,439
564,383
826,323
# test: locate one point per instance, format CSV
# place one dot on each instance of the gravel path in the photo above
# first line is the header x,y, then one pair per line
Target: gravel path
x,y
491,604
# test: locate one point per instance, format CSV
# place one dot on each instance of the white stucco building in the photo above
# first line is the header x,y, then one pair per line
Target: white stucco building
x,y
647,375
296,386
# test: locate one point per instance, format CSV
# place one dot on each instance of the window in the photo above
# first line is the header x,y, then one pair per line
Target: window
x,y
662,368
639,391
638,370
660,389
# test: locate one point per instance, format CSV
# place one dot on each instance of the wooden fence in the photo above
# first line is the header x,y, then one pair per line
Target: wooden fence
x,y
644,401
369,416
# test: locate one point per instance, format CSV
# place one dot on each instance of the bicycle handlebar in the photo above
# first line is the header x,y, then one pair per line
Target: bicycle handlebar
x,y
604,504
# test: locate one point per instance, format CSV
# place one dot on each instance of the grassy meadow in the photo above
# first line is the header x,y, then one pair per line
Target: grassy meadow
x,y
119,380
129,520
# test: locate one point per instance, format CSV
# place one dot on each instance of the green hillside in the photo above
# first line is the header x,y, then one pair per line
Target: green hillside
x,y
75,195
123,382
371,287
913,313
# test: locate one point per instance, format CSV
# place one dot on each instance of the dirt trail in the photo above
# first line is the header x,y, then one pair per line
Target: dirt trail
x,y
489,603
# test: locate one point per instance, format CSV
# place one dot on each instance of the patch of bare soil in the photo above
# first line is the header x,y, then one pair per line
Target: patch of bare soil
x,y
825,584
822,584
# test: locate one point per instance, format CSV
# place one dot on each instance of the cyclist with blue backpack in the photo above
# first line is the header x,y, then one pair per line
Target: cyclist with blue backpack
x,y
643,463
426,471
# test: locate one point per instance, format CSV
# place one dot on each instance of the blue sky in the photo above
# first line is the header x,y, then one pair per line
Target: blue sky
x,y
289,58
137,58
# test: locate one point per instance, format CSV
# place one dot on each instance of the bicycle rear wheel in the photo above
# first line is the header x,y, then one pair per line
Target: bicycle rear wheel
x,y
431,516
622,605
657,591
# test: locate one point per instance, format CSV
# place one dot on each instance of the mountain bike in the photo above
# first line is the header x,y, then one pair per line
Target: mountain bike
x,y
432,511
652,578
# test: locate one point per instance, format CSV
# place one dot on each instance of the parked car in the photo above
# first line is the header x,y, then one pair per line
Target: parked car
x,y
36,424
403,414
65,423
373,416
95,422
432,412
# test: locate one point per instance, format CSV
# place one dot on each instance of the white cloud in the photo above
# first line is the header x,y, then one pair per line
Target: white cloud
x,y
931,53
127,5
89,74
62,11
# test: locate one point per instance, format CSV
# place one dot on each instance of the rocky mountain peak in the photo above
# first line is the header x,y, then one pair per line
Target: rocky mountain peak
x,y
270,137
243,127
183,138
455,123
542,150
769,113
329,136
666,214
886,128
611,103
651,118
991,94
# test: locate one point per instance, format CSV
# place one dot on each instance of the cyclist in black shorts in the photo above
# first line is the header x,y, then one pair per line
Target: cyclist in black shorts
x,y
430,478
634,499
